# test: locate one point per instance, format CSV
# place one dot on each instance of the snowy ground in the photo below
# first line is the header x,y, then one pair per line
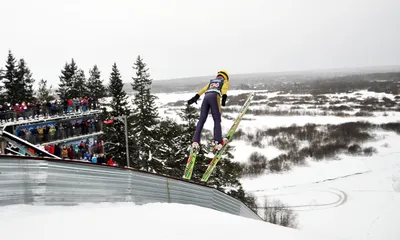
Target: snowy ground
x,y
349,198
128,221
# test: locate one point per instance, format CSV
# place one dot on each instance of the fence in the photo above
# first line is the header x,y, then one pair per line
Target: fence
x,y
27,180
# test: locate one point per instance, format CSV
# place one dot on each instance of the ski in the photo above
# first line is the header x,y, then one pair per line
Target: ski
x,y
231,131
190,163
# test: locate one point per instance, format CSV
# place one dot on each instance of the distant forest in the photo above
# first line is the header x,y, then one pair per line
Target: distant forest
x,y
387,82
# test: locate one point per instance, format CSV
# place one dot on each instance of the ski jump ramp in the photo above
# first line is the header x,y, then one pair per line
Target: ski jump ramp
x,y
44,181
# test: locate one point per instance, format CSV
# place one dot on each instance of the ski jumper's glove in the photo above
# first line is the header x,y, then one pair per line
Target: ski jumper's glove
x,y
224,99
194,99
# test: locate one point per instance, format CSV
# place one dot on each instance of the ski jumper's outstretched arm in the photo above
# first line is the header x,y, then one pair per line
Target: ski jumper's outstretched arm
x,y
197,96
224,92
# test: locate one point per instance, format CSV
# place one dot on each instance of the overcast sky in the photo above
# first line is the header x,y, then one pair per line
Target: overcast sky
x,y
185,38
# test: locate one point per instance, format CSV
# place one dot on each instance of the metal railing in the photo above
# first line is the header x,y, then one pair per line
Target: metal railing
x,y
27,180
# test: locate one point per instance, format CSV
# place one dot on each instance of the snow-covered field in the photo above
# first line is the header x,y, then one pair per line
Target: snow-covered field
x,y
348,198
351,198
122,221
271,121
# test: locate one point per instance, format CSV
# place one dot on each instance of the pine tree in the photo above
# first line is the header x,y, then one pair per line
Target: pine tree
x,y
246,198
79,87
119,103
95,84
44,92
67,81
25,82
115,132
175,140
170,151
145,120
11,85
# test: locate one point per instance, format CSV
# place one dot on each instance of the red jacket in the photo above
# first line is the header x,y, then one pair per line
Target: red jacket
x,y
17,109
51,149
110,162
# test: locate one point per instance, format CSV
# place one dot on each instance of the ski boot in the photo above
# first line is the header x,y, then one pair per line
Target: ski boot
x,y
218,146
194,147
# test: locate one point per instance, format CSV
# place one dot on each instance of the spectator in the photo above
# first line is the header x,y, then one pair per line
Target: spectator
x,y
71,152
52,149
70,105
101,159
17,110
76,104
47,147
76,149
110,162
57,150
86,156
64,152
94,158
3,114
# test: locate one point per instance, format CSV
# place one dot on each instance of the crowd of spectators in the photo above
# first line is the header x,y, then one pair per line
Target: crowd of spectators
x,y
35,109
52,131
86,151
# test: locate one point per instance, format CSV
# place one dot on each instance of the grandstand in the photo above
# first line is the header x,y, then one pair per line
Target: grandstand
x,y
74,135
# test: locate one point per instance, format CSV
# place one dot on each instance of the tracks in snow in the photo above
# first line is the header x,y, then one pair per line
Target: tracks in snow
x,y
337,198
316,182
313,203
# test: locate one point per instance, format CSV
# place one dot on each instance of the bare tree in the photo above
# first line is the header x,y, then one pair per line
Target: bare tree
x,y
277,213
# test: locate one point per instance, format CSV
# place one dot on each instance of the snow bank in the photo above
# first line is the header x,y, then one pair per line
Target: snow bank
x,y
128,221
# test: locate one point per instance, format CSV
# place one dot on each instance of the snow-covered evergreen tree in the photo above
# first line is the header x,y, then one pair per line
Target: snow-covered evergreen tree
x,y
171,151
119,102
175,139
246,198
11,85
114,137
67,81
95,84
79,88
144,120
44,92
25,81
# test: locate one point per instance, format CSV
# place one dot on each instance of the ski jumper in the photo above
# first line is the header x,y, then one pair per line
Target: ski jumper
x,y
212,100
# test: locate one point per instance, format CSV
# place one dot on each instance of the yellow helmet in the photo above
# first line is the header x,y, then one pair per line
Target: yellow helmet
x,y
224,74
